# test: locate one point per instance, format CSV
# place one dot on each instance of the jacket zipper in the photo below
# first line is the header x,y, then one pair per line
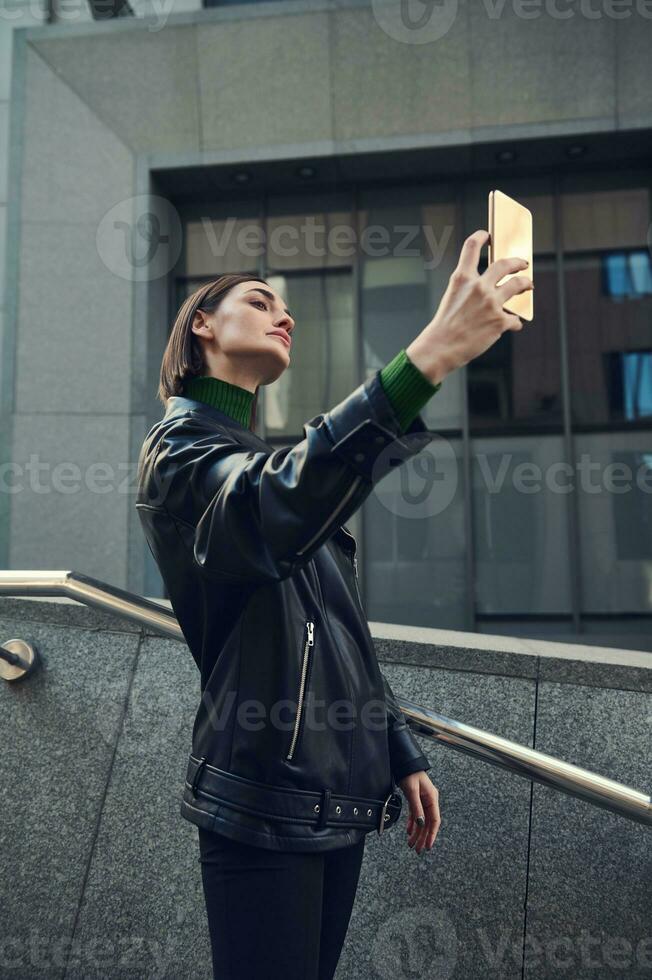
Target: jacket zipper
x,y
339,507
310,641
357,587
354,561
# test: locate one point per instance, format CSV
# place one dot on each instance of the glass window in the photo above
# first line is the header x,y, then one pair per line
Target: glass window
x,y
615,510
520,526
303,233
408,240
414,549
595,218
415,541
185,287
608,285
309,256
633,633
560,629
222,238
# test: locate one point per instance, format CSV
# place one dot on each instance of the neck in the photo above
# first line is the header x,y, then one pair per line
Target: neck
x,y
229,398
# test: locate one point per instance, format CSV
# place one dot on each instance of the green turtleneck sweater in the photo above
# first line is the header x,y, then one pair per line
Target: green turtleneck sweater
x,y
405,385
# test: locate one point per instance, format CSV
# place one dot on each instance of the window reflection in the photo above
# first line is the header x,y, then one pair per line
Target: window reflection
x,y
415,552
408,248
629,382
608,344
222,238
603,219
520,526
627,275
615,490
303,234
631,510
608,284
415,542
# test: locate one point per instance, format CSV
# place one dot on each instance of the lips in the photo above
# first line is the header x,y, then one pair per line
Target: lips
x,y
283,334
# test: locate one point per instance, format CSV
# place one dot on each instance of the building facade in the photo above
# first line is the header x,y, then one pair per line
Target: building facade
x,y
344,153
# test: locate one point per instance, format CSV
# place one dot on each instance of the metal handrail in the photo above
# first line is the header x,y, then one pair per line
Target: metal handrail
x,y
92,592
502,752
534,765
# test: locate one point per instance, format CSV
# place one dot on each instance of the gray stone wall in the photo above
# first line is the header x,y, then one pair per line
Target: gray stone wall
x,y
100,876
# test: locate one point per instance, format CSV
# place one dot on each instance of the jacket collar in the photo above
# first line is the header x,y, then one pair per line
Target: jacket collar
x,y
178,405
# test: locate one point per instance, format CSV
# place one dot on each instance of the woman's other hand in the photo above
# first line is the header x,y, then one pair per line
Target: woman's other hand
x,y
423,800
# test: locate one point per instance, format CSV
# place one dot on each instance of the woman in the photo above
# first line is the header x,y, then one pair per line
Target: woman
x,y
298,744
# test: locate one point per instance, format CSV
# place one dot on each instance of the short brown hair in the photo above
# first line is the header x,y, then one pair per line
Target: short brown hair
x,y
183,358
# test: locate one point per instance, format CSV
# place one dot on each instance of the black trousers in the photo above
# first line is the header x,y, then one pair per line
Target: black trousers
x,y
276,915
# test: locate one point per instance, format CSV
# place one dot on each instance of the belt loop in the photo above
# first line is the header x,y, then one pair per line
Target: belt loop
x,y
323,808
195,778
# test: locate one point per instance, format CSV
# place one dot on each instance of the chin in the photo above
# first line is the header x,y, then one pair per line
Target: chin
x,y
275,371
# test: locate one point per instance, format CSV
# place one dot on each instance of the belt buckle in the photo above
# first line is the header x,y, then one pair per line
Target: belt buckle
x,y
384,816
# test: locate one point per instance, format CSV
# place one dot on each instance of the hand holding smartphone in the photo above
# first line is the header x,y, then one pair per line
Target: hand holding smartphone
x,y
476,310
510,231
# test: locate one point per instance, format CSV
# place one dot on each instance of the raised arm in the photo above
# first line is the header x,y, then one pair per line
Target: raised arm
x,y
254,515
257,515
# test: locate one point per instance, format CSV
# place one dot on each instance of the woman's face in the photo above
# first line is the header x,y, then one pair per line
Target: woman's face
x,y
242,332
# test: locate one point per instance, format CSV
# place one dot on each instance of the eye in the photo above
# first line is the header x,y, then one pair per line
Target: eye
x,y
262,303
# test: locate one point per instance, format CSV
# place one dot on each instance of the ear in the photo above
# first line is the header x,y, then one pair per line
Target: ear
x,y
199,324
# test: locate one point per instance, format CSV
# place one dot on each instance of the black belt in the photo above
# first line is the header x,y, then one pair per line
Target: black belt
x,y
320,808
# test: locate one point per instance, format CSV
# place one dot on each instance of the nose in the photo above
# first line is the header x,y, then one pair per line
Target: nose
x,y
286,322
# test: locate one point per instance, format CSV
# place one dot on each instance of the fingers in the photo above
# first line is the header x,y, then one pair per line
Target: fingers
x,y
435,825
413,792
425,808
503,267
424,836
517,284
513,321
470,254
418,836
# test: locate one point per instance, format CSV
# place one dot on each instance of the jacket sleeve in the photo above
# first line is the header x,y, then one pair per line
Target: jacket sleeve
x,y
257,516
404,752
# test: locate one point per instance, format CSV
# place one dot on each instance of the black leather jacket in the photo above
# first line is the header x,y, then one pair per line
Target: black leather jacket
x,y
262,577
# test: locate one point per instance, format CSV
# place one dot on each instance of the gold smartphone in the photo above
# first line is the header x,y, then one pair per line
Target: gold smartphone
x,y
510,231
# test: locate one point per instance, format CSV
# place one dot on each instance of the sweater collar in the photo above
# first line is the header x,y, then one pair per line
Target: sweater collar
x,y
228,398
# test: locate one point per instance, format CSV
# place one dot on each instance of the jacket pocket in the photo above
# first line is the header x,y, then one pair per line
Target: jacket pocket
x,y
309,642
